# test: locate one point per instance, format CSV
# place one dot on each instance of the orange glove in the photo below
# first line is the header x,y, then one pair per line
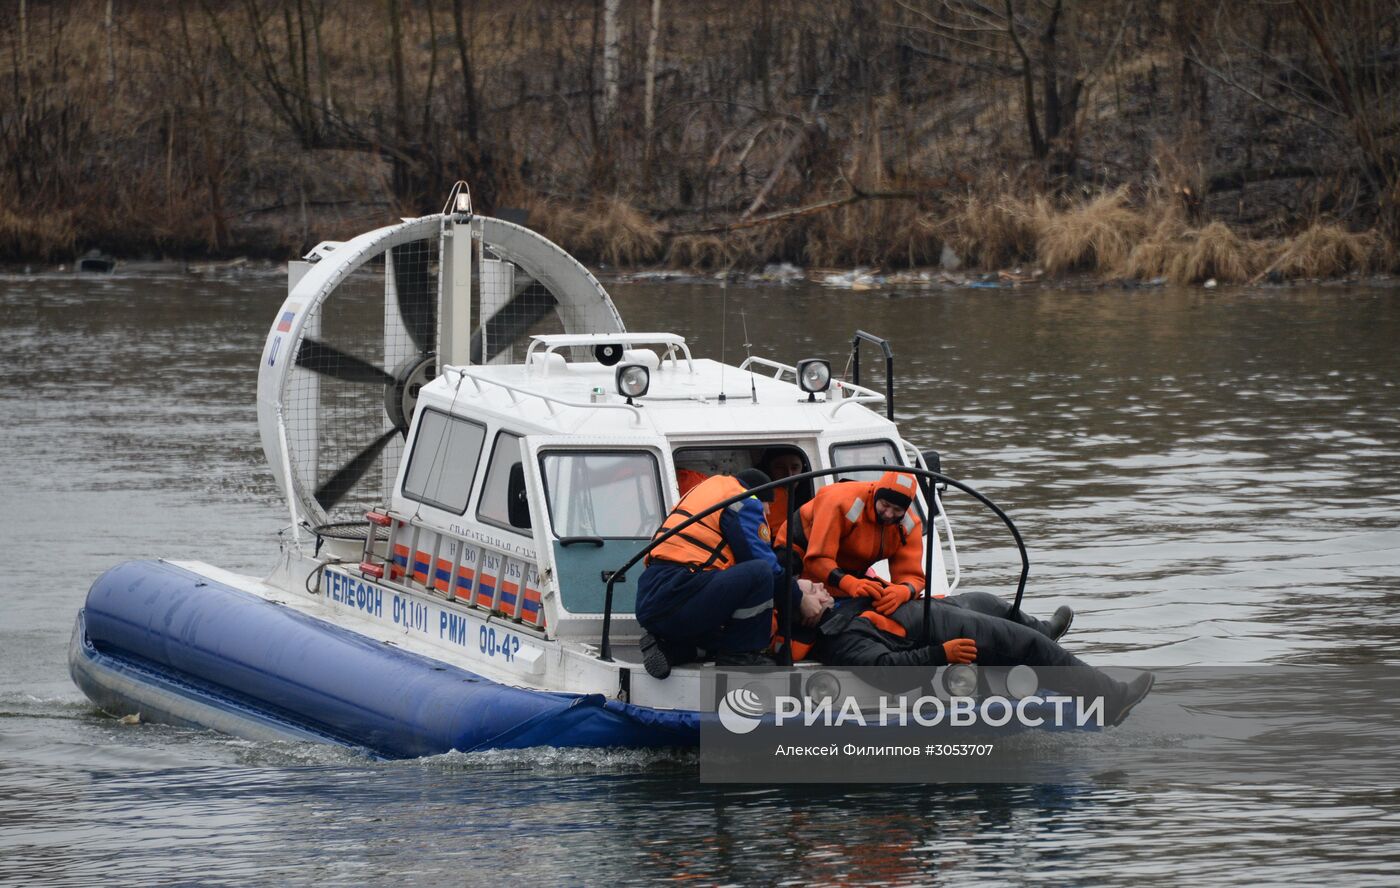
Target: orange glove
x,y
892,597
960,650
861,587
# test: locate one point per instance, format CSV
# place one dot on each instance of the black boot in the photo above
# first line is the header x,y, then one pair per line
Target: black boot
x,y
654,658
761,659
1060,621
1130,695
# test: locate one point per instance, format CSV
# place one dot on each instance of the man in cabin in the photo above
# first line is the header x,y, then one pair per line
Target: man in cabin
x,y
780,463
850,526
712,586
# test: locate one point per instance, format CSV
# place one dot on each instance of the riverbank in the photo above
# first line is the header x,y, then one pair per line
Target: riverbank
x,y
893,283
1119,140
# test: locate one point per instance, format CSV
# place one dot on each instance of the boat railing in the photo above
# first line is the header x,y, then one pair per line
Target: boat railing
x,y
884,346
912,454
851,393
927,478
551,402
674,343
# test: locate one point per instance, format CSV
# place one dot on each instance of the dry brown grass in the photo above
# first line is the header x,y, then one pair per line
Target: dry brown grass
x,y
699,252
1095,235
1387,255
606,229
875,232
1326,250
994,232
560,222
618,233
44,236
1216,251
1152,256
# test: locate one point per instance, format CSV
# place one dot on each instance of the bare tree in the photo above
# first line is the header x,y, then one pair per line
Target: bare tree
x,y
1045,44
1329,68
649,100
612,53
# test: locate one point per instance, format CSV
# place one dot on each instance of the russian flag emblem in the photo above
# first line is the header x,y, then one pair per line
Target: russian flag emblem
x,y
285,325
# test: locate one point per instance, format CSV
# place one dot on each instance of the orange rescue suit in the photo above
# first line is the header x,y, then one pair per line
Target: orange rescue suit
x,y
843,536
701,545
688,479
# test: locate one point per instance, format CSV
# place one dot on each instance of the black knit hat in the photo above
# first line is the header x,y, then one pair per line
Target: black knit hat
x,y
752,478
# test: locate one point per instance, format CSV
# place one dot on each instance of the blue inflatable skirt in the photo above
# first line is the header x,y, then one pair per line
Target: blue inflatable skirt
x,y
179,648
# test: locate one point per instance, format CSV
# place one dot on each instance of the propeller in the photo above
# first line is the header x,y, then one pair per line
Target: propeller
x,y
417,301
330,361
511,322
339,484
418,307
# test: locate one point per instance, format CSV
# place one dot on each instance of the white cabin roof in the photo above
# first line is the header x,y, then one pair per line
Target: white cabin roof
x,y
553,395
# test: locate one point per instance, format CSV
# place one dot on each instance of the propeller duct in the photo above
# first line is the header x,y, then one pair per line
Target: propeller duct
x,y
364,324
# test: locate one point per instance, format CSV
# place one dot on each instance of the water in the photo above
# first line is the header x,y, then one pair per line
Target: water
x,y
1208,477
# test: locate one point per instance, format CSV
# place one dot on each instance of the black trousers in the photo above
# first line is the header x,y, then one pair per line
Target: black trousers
x,y
846,640
994,606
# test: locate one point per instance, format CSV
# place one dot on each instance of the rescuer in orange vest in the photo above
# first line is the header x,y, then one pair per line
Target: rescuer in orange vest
x,y
851,525
712,587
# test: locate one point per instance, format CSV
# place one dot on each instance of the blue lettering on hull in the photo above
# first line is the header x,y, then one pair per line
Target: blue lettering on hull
x,y
453,628
354,593
410,614
495,642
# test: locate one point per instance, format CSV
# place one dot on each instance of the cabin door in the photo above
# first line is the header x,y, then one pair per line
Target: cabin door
x,y
596,502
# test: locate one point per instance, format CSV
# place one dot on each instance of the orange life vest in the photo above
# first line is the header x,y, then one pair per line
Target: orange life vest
x,y
701,545
800,648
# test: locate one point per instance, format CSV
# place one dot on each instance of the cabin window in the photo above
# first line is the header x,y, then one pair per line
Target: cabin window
x,y
864,453
442,466
494,507
611,495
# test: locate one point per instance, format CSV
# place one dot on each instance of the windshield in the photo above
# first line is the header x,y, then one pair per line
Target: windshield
x,y
863,453
607,494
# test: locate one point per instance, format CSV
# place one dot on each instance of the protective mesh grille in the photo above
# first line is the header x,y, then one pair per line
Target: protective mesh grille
x,y
530,308
342,441
369,331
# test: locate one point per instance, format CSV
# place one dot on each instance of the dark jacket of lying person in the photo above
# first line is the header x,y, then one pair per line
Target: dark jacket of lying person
x,y
712,587
850,636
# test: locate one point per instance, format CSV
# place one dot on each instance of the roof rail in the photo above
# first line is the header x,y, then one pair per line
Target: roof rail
x,y
550,401
858,394
554,341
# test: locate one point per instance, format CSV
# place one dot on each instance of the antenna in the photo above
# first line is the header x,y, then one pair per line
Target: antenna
x,y
748,353
723,325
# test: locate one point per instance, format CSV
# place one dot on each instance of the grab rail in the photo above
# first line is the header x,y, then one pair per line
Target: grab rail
x,y
925,476
889,366
854,394
549,400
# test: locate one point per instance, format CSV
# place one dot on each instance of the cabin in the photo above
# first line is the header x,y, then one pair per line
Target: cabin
x,y
524,486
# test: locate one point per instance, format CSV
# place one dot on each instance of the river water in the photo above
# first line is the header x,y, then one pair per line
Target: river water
x,y
1207,476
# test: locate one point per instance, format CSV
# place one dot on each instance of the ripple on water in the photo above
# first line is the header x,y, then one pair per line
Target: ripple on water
x,y
1206,478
